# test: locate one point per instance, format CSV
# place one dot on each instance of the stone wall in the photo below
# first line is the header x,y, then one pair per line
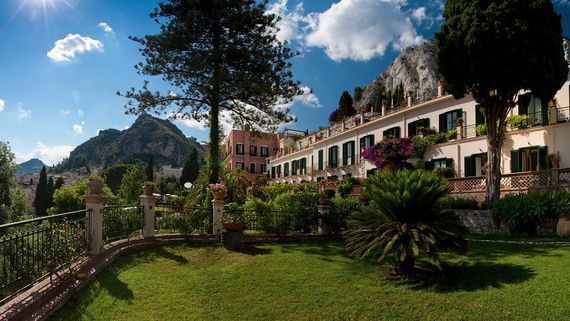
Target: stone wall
x,y
479,221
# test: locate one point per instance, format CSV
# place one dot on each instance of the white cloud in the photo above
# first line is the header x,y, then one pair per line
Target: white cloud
x,y
105,27
361,29
65,112
65,49
50,155
292,22
23,113
78,128
2,104
80,113
419,14
308,98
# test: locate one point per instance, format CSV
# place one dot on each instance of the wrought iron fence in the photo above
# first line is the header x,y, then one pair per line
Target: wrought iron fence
x,y
279,222
563,114
184,220
121,221
35,248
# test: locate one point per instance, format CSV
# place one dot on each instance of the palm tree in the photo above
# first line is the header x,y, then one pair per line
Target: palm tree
x,y
403,220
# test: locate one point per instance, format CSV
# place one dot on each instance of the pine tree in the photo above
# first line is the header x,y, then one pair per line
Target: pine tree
x,y
150,170
41,202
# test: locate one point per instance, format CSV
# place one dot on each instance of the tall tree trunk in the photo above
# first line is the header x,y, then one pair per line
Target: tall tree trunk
x,y
495,114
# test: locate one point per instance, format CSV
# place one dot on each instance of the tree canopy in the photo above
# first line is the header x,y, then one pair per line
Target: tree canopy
x,y
495,49
218,55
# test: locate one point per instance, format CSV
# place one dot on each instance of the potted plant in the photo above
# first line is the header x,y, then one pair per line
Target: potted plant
x,y
95,184
323,199
554,159
218,191
148,188
233,222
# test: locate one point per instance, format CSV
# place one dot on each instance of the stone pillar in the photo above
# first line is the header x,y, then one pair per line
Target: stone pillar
x,y
439,88
555,177
323,212
553,115
343,125
94,203
217,212
148,202
460,133
383,111
409,98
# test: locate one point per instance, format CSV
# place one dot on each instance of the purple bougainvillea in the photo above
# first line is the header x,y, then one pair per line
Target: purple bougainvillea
x,y
333,116
391,153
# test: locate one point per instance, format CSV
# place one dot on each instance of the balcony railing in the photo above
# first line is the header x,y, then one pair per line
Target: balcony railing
x,y
517,182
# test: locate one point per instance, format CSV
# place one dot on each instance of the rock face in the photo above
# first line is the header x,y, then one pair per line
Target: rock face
x,y
148,136
414,68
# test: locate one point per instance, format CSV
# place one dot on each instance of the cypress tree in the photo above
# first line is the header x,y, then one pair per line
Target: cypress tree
x,y
190,171
58,183
150,170
42,194
50,189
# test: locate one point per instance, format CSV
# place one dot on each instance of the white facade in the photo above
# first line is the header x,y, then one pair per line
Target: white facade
x,y
529,144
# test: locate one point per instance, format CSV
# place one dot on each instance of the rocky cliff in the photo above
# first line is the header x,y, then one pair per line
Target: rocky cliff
x,y
414,68
148,136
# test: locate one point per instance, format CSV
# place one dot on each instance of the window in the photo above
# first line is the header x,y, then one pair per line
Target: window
x,y
239,149
303,166
333,156
415,126
321,160
475,165
447,121
264,151
286,169
366,142
263,168
529,159
272,172
239,165
348,153
536,110
479,115
278,170
252,168
393,132
295,166
252,150
439,163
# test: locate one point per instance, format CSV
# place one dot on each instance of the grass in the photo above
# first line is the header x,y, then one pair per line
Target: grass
x,y
317,281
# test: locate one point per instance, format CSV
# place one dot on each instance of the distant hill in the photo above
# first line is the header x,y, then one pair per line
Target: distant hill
x,y
148,136
32,166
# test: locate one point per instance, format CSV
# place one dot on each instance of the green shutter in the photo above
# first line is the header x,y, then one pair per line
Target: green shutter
x,y
479,115
515,161
428,165
344,154
459,113
363,142
469,166
371,139
442,123
397,132
412,129
542,163
352,154
544,112
524,100
449,162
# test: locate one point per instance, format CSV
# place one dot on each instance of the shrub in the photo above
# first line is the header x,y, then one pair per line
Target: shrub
x,y
521,213
344,189
340,210
517,121
300,207
452,134
447,172
481,130
458,203
402,221
329,193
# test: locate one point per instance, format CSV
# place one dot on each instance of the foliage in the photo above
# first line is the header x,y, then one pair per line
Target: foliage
x,y
70,198
131,185
447,172
150,170
168,185
344,189
481,130
58,183
113,176
553,156
41,200
391,153
233,217
480,51
7,182
191,169
329,193
345,108
458,203
300,207
209,51
340,209
517,121
521,212
402,221
217,187
357,93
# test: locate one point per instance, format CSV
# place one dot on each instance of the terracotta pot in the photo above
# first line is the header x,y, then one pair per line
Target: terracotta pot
x,y
555,163
234,227
218,196
563,227
95,186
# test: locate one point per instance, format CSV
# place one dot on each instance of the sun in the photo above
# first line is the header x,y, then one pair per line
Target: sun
x,y
42,7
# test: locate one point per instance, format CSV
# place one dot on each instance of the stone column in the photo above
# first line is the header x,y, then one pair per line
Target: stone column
x,y
148,202
217,212
323,212
553,115
460,133
383,110
94,203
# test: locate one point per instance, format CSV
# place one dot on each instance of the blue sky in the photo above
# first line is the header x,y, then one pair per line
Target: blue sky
x,y
61,61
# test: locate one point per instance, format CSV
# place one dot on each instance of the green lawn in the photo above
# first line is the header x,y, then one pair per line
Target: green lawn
x,y
316,281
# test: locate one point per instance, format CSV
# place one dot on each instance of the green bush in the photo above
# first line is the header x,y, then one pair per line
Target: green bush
x,y
344,188
517,121
458,203
301,207
447,172
521,213
403,222
340,210
481,130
